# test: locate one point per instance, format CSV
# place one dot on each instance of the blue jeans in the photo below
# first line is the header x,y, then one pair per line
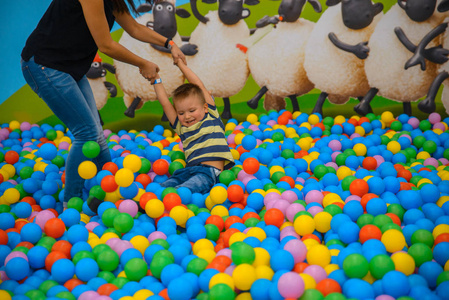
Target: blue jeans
x,y
199,179
74,104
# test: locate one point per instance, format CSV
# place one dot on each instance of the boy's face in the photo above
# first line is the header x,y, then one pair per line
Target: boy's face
x,y
190,110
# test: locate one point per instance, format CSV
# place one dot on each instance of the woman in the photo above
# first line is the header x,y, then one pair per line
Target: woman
x,y
58,54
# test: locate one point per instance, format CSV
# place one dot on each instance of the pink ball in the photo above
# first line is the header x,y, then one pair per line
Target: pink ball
x,y
129,206
353,198
119,248
431,162
314,196
291,285
15,254
271,196
292,210
282,205
443,160
242,175
335,145
113,242
91,225
434,118
297,249
290,196
334,155
271,123
384,297
42,218
379,159
414,122
115,138
354,135
225,252
156,235
332,164
439,125
317,272
230,269
231,138
25,126
89,295
314,210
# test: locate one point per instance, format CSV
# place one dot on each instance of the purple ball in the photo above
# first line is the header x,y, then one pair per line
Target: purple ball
x,y
292,210
317,272
297,249
434,118
314,196
89,295
335,145
156,235
129,206
291,285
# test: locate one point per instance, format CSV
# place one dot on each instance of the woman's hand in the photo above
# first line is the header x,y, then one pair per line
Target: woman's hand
x,y
177,54
149,71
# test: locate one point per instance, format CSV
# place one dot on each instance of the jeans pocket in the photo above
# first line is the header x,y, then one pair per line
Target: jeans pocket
x,y
29,78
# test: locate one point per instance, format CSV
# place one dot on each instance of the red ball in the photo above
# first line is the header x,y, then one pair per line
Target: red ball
x,y
369,163
359,187
3,237
54,227
251,165
327,286
274,216
235,193
368,232
52,257
217,221
160,166
171,200
108,184
111,167
72,283
62,246
11,157
289,180
144,179
232,220
106,289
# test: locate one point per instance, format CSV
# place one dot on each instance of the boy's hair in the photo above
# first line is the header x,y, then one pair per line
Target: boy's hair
x,y
188,89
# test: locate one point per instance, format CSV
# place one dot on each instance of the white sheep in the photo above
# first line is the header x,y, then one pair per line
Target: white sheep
x,y
336,49
283,74
222,66
385,65
137,90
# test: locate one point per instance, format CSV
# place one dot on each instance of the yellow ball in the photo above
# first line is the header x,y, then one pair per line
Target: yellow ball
x,y
264,271
262,257
14,125
423,155
439,229
309,281
331,198
323,221
343,172
201,245
235,154
222,278
244,296
393,240
132,162
154,208
9,169
360,130
394,146
206,254
244,275
219,210
167,133
218,194
124,177
257,232
87,169
313,119
387,117
319,255
11,196
107,236
140,243
403,262
305,144
230,126
5,295
237,237
179,214
304,224
359,149
442,200
142,294
252,118
339,119
330,268
238,138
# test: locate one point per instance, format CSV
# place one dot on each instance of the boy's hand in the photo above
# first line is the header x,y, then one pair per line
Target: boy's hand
x,y
149,71
177,55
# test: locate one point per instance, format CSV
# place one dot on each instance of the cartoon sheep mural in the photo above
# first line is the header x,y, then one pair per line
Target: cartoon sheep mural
x,y
283,74
137,89
219,63
402,27
337,47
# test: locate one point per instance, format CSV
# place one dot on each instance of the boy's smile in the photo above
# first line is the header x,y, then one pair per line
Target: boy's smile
x,y
190,110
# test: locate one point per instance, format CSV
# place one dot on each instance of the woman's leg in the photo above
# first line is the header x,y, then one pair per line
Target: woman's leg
x,y
65,98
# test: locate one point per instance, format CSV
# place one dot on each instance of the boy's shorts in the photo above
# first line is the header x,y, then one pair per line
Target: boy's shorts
x,y
199,179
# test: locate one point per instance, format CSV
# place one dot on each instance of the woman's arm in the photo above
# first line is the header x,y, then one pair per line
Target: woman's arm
x,y
93,11
146,35
162,97
193,78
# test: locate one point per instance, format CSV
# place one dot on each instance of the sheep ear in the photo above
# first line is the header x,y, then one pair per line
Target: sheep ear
x,y
332,2
210,1
443,6
252,2
377,8
245,13
401,4
109,67
182,13
145,7
316,5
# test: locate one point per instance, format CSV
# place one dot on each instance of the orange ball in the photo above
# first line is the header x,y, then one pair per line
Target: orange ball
x,y
25,244
232,220
111,167
52,257
359,187
300,267
289,180
171,200
406,174
145,198
283,120
144,179
369,163
366,198
443,237
235,193
108,184
327,286
160,166
251,165
54,228
274,216
11,157
217,221
368,232
106,289
29,200
62,246
250,215
72,283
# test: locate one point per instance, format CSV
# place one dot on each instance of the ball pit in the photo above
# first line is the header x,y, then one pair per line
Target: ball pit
x,y
315,208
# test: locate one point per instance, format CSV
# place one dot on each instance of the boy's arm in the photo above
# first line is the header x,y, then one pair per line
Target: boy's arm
x,y
162,97
193,78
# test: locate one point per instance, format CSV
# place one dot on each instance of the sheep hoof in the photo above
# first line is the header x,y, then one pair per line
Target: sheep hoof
x,y
363,109
130,113
226,115
427,105
253,103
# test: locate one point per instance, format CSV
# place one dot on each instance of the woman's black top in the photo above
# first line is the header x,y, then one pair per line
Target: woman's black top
x,y
62,40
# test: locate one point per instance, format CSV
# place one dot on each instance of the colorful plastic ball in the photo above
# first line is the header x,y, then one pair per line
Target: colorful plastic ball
x,y
17,268
355,266
179,289
62,270
124,177
244,276
328,286
160,166
358,289
421,253
54,228
290,285
281,260
31,232
430,271
154,208
77,233
86,269
135,269
108,260
251,165
403,262
319,255
395,284
242,253
393,240
87,169
381,264
359,187
91,149
304,225
129,206
48,151
348,232
123,222
221,291
441,253
108,184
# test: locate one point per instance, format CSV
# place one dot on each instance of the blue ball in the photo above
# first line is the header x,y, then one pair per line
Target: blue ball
x,y
442,289
179,289
430,271
6,221
205,278
396,284
86,269
410,199
31,232
349,232
70,217
376,206
353,209
282,260
249,142
196,232
47,151
36,256
376,185
170,272
17,268
430,193
358,289
129,254
441,253
260,289
22,210
62,270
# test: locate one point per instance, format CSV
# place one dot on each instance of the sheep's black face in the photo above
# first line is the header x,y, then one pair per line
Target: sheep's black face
x,y
443,6
96,71
164,19
290,10
357,14
420,10
230,11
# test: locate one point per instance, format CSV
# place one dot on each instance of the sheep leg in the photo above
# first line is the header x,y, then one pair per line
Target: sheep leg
x,y
132,108
254,101
428,104
319,103
226,114
407,108
294,102
364,107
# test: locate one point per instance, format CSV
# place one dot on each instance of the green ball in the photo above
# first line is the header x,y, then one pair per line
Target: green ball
x,y
444,276
46,285
197,265
346,182
76,203
47,242
423,236
335,242
123,222
242,253
396,125
277,137
445,154
425,125
380,265
311,294
146,166
109,215
97,192
212,232
65,295
106,275
174,155
108,260
22,249
384,139
236,171
161,242
396,209
388,226
328,121
221,291
58,160
355,266
251,222
51,134
160,260
429,146
277,176
36,295
335,296
287,153
226,177
194,208
381,220
333,209
91,149
26,172
136,269
341,159
82,254
419,141
175,165
98,249
350,152
320,171
269,186
415,179
421,253
120,281
365,219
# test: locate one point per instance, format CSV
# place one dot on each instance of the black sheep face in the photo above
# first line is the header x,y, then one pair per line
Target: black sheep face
x,y
418,10
290,10
359,14
96,71
230,11
164,19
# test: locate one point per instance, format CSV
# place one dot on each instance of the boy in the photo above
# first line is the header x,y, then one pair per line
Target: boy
x,y
194,117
